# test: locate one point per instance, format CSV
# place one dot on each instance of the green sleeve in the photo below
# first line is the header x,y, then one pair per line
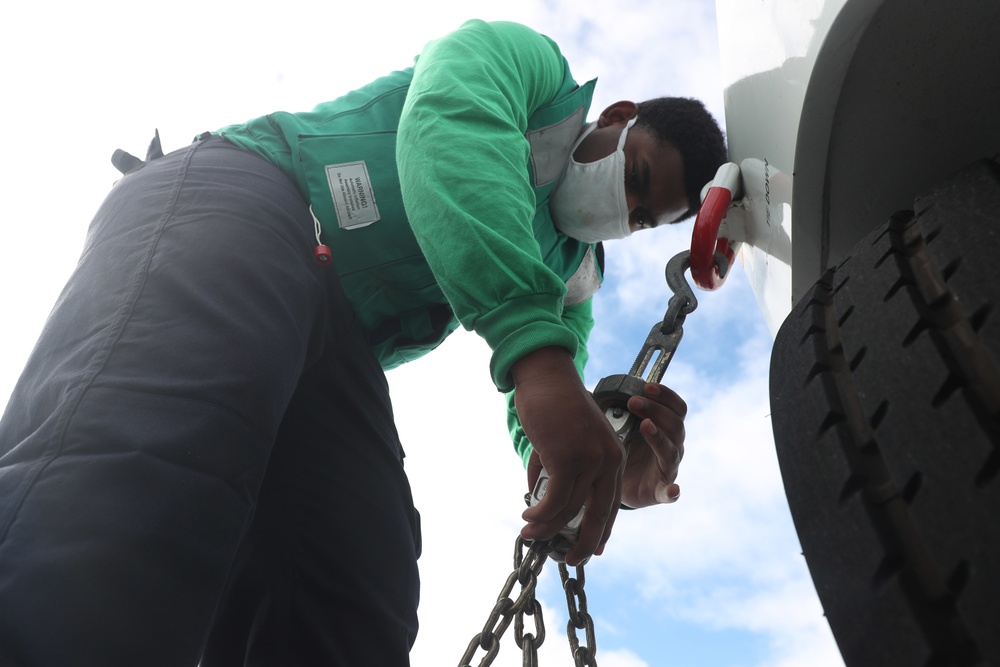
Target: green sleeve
x,y
580,320
463,167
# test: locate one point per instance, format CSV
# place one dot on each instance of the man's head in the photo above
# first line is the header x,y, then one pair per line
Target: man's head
x,y
686,124
671,151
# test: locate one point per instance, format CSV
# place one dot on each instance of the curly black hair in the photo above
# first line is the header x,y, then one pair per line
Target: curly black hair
x,y
687,125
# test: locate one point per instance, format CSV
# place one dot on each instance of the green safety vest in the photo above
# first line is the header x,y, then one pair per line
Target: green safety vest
x,y
342,157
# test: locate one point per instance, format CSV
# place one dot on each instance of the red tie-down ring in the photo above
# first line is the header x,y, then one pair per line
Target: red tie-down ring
x,y
705,241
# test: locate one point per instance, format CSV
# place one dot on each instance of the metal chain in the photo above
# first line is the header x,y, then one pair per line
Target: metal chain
x,y
579,618
527,567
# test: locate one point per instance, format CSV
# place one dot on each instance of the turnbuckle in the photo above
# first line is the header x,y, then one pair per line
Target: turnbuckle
x,y
612,393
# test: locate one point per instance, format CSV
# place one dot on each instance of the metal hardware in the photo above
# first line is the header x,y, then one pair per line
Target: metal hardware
x,y
726,187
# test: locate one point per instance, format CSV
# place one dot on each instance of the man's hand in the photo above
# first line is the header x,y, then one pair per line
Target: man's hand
x,y
577,446
657,449
572,438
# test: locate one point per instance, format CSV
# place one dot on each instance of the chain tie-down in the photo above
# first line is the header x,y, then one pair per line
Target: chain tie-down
x,y
611,394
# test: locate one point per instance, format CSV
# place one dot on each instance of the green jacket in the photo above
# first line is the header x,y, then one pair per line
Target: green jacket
x,y
431,186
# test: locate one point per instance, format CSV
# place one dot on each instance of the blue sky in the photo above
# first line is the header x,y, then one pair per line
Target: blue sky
x,y
715,580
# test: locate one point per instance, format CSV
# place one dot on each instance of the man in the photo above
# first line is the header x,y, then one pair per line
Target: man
x,y
199,462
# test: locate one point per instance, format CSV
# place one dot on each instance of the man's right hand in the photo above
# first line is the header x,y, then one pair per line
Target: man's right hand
x,y
575,443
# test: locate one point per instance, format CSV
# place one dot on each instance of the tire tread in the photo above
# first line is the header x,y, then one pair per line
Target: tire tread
x,y
895,510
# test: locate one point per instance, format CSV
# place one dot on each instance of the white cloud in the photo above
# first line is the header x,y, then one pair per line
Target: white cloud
x,y
786,613
643,49
621,658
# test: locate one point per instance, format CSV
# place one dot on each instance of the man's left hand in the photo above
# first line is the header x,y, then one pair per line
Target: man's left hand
x,y
657,448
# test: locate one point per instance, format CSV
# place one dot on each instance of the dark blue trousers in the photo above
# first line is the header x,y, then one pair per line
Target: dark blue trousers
x,y
199,462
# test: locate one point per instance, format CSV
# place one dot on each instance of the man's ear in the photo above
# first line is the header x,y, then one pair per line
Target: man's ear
x,y
619,112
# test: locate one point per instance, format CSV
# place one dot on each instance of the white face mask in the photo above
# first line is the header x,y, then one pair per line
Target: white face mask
x,y
588,203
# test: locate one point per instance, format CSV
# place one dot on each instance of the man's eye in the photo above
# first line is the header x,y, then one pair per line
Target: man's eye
x,y
645,220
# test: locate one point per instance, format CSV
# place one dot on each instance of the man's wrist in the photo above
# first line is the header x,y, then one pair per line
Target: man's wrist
x,y
542,362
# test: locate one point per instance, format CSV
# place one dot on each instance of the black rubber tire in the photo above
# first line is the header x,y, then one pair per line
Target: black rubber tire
x,y
885,401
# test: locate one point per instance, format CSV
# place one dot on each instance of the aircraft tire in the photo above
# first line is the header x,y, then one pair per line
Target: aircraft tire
x,y
885,403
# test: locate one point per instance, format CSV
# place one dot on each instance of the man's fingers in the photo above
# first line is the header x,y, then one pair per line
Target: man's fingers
x,y
615,506
597,521
667,397
668,454
662,426
668,493
560,504
534,469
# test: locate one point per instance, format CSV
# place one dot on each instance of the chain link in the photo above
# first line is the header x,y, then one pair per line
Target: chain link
x,y
579,618
527,566
529,643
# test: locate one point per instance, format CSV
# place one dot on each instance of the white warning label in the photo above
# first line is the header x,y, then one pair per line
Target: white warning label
x,y
351,190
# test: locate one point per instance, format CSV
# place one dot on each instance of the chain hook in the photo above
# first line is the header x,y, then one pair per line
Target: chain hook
x,y
683,301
